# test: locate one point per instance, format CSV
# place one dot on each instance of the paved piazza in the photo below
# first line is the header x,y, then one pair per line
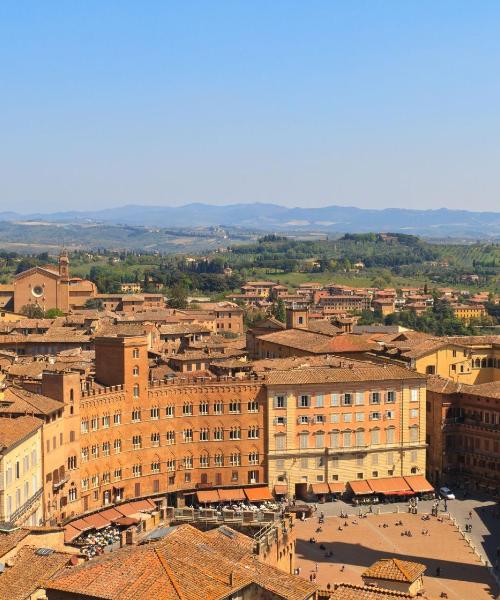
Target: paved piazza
x,y
364,540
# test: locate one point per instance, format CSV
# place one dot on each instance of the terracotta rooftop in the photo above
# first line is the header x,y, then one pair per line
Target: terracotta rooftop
x,y
15,430
187,564
21,401
318,343
394,569
29,572
348,591
317,375
10,539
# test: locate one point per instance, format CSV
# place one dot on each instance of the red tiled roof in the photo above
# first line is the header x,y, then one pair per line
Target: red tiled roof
x,y
394,569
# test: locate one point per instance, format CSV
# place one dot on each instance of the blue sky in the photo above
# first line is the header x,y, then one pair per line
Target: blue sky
x,y
371,104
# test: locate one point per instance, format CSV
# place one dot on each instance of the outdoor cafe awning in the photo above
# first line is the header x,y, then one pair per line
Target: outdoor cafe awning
x,y
82,525
419,484
258,494
207,496
360,487
111,513
390,486
280,490
70,534
336,487
319,489
233,495
97,520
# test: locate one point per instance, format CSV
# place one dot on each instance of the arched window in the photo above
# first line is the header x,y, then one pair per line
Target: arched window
x,y
375,436
136,390
477,363
135,371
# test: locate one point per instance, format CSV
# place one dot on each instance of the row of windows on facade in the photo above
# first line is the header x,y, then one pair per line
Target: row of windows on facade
x,y
346,399
171,465
155,414
18,469
218,434
471,443
346,417
335,462
345,439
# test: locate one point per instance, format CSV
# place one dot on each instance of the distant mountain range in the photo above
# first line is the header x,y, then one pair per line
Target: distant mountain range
x,y
272,217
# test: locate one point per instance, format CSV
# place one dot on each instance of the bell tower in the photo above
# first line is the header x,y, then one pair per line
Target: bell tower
x,y
64,264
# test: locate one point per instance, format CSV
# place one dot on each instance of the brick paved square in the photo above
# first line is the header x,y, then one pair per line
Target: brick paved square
x,y
365,540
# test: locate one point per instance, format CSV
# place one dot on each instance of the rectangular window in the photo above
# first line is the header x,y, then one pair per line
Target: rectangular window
x,y
375,416
334,400
391,397
360,399
334,439
360,417
347,400
84,426
304,401
335,418
413,413
117,418
105,421
414,395
117,445
320,402
279,401
303,440
360,438
360,459
155,439
319,440
347,417
375,436
389,414
346,436
375,398
390,435
320,418
280,442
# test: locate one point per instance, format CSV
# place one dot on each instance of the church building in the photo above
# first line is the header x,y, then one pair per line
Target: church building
x,y
52,287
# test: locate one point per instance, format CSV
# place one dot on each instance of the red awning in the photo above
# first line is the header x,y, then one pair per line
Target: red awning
x,y
336,487
418,483
126,509
98,521
320,489
280,490
142,505
82,525
110,513
389,485
360,487
70,534
126,521
258,494
234,495
207,496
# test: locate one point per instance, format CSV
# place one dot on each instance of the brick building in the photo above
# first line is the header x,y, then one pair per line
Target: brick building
x,y
463,432
51,287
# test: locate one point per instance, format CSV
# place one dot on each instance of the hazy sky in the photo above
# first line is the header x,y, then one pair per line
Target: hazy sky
x,y
371,104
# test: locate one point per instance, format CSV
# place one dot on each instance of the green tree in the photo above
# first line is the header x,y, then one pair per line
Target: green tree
x,y
279,311
52,313
32,311
94,303
178,296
